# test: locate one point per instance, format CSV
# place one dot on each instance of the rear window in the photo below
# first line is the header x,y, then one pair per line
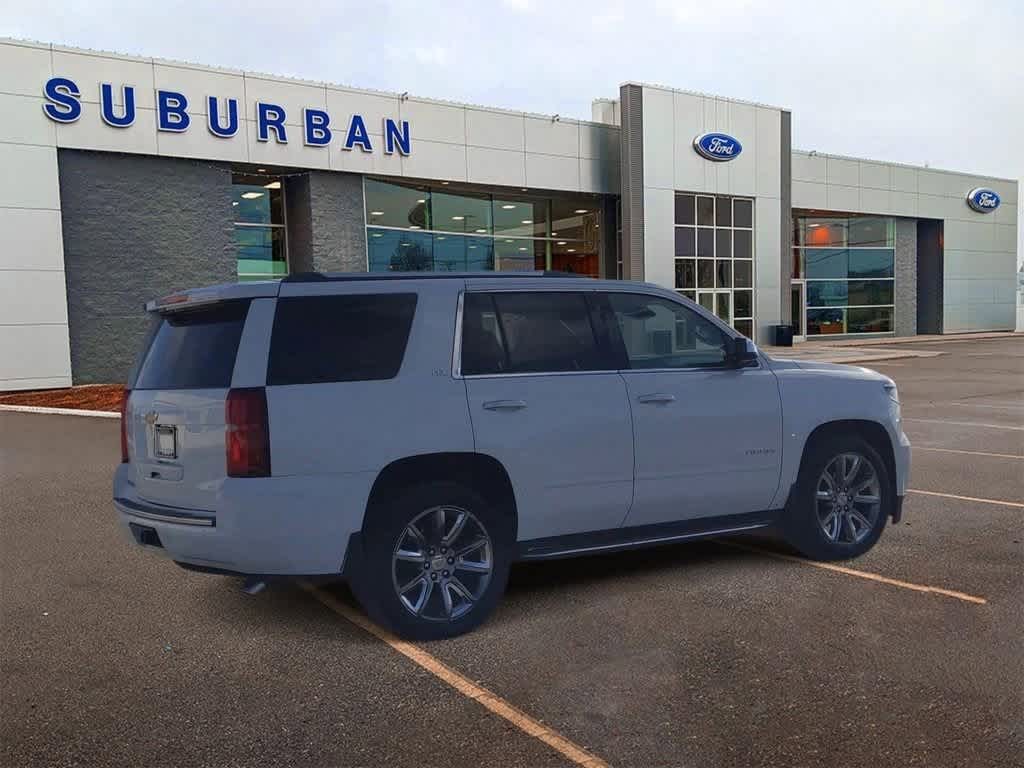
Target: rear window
x,y
320,339
544,332
194,349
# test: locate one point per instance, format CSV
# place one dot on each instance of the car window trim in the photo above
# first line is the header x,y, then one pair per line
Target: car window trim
x,y
586,293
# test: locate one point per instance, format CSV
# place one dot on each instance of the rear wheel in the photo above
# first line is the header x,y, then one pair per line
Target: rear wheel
x,y
435,561
841,500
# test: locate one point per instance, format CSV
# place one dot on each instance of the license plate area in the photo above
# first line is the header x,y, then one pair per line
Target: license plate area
x,y
165,441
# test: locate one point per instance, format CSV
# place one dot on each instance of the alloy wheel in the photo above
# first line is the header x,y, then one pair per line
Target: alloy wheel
x,y
848,498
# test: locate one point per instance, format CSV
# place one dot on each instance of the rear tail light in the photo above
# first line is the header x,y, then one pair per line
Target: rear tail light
x,y
127,393
247,436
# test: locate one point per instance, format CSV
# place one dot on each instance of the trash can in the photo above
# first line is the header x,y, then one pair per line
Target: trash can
x,y
782,335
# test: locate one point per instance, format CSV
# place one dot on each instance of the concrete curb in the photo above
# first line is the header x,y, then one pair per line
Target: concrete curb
x,y
59,411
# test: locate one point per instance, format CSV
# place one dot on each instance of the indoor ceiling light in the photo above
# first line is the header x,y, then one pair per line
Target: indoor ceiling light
x,y
406,243
422,200
439,237
581,210
472,247
272,185
814,225
481,230
561,242
510,241
251,195
261,170
444,183
508,206
527,221
554,234
376,213
234,202
413,226
522,249
458,218
572,250
376,234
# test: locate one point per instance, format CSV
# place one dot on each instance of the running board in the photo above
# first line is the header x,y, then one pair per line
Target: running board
x,y
637,537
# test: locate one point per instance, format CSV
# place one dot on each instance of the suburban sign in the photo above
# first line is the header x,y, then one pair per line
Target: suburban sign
x,y
717,146
983,200
63,105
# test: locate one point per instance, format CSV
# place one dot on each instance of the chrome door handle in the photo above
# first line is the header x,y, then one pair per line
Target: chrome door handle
x,y
657,397
504,405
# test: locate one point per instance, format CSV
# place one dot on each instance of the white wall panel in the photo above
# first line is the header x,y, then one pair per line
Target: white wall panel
x,y
843,172
357,161
30,238
198,142
659,136
809,168
875,175
24,121
690,168
374,108
34,356
436,160
875,200
842,198
904,179
90,132
89,70
551,171
35,168
598,141
292,96
32,297
435,122
548,137
659,236
495,130
808,194
495,166
24,68
198,84
768,154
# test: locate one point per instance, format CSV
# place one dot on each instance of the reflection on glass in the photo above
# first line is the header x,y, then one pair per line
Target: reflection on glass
x,y
826,321
706,273
723,306
522,217
743,303
743,274
456,253
519,255
685,209
463,212
707,300
723,213
742,244
686,273
723,243
842,263
706,211
686,242
392,250
746,327
705,243
874,232
743,213
869,320
723,273
396,205
260,252
257,207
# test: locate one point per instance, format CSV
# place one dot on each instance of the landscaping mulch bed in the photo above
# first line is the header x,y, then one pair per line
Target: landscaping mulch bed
x,y
91,397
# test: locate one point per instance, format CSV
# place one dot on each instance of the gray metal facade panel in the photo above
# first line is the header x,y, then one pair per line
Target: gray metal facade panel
x,y
905,272
136,227
786,214
632,181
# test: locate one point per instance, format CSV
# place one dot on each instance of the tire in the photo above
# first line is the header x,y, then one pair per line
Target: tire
x,y
844,525
423,585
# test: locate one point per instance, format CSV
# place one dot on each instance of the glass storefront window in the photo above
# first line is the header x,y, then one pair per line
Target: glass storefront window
x,y
257,205
469,229
714,249
391,205
848,264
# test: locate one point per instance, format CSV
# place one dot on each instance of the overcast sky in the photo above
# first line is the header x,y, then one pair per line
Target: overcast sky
x,y
933,81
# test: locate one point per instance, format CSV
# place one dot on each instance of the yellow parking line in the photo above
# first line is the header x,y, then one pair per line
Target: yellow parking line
x,y
997,502
863,574
463,685
970,453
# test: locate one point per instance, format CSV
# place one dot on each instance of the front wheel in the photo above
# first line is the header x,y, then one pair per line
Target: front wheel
x,y
841,499
435,561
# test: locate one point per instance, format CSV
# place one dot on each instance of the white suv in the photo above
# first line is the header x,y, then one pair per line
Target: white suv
x,y
418,433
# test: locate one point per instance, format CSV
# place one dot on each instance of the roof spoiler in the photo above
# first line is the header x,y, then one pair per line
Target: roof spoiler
x,y
199,297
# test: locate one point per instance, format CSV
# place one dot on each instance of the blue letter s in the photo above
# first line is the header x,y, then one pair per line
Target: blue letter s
x,y
62,100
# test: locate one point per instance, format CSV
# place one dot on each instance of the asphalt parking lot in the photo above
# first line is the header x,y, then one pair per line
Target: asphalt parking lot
x,y
696,655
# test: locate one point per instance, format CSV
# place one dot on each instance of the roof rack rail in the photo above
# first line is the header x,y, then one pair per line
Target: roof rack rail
x,y
320,277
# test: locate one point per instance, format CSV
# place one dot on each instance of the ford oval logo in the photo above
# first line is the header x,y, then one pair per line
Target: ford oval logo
x,y
717,146
983,200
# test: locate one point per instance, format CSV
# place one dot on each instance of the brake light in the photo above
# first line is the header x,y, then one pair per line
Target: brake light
x,y
127,393
247,433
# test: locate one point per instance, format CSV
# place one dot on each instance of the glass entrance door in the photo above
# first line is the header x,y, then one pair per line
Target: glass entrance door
x,y
798,300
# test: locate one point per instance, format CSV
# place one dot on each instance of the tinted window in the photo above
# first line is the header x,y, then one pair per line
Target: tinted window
x,y
527,333
318,339
194,349
659,333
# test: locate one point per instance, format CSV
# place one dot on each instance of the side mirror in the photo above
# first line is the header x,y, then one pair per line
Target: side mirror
x,y
743,352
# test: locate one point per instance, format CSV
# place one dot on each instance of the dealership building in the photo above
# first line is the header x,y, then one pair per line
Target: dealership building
x,y
128,178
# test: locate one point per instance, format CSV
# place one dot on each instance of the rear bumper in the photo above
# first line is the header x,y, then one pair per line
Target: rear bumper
x,y
261,526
